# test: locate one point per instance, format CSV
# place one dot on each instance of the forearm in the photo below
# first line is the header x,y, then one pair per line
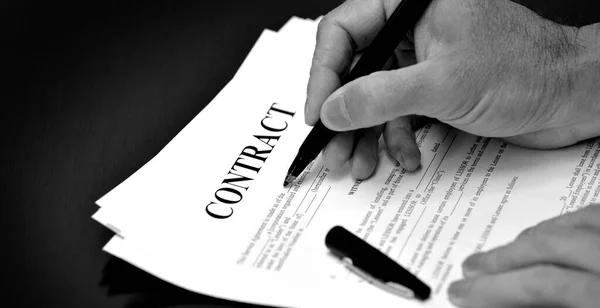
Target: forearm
x,y
587,86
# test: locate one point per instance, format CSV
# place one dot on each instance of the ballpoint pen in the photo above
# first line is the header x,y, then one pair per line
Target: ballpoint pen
x,y
404,17
373,265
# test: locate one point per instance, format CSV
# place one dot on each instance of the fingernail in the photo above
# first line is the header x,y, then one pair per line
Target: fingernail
x,y
457,291
400,158
409,162
412,162
472,265
335,113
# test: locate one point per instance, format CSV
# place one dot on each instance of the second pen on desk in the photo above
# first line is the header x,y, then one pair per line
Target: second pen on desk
x,y
404,18
374,266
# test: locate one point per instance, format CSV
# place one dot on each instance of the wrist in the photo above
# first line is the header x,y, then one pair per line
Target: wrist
x,y
586,86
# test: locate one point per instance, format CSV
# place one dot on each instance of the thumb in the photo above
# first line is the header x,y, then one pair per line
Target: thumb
x,y
383,96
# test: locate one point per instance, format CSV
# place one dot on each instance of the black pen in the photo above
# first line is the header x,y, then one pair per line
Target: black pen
x,y
374,266
404,17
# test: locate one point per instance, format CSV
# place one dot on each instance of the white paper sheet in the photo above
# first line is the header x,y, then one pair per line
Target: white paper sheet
x,y
471,193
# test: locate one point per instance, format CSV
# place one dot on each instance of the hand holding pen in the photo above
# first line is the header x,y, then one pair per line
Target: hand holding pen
x,y
478,66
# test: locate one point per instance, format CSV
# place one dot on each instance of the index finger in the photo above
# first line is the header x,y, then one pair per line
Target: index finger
x,y
349,27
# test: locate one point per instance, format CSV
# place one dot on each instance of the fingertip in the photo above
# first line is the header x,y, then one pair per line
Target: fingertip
x,y
409,158
338,151
362,166
401,143
364,158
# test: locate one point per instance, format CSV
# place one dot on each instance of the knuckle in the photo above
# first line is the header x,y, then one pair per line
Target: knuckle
x,y
500,259
354,101
543,244
493,260
527,232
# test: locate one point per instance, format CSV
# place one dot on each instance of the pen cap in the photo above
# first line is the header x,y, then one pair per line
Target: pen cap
x,y
344,244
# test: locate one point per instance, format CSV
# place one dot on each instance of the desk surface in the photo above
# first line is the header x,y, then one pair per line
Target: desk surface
x,y
94,92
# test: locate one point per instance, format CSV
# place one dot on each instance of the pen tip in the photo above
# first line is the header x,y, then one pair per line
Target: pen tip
x,y
288,180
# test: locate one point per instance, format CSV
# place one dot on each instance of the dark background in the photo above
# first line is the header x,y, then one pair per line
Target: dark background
x,y
90,92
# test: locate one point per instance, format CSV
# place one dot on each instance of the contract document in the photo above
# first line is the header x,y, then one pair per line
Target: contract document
x,y
209,213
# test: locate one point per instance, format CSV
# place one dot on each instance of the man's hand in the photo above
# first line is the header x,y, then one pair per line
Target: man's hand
x,y
491,68
554,264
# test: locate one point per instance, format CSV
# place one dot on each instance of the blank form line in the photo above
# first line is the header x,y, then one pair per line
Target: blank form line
x,y
261,252
441,161
447,133
461,194
311,202
410,234
308,190
318,207
425,173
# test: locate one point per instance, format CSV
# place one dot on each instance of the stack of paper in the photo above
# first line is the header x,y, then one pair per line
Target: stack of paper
x,y
210,215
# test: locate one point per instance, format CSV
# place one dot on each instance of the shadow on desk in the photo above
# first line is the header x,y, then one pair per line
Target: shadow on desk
x,y
147,291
